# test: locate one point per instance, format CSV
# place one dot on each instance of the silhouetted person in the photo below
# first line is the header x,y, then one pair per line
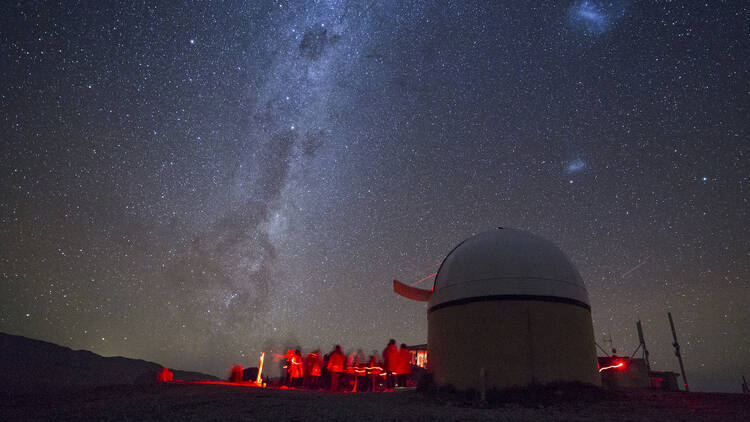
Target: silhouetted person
x,y
325,374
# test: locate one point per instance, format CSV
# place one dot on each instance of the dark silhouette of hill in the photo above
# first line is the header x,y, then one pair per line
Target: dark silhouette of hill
x,y
28,365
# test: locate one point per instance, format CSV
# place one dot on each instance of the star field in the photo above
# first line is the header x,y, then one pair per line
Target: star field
x,y
196,183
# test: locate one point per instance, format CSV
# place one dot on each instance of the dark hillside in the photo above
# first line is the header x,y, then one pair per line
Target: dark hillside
x,y
27,364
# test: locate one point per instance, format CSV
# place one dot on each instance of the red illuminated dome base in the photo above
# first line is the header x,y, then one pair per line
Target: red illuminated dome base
x,y
508,305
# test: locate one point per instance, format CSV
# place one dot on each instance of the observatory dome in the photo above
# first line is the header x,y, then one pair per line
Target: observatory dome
x,y
507,309
507,264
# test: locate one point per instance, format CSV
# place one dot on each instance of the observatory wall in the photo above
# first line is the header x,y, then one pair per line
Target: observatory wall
x,y
517,342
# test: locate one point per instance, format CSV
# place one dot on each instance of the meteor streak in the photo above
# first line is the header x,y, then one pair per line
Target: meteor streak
x,y
636,267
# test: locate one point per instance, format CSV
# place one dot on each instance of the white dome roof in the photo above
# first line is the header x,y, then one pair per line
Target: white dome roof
x,y
507,264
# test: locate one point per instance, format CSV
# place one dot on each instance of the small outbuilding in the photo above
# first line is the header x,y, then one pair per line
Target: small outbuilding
x,y
623,373
508,309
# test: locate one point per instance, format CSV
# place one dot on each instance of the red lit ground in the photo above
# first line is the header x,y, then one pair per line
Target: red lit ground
x,y
230,402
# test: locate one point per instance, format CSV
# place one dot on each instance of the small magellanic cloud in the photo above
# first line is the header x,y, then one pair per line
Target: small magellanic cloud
x,y
575,166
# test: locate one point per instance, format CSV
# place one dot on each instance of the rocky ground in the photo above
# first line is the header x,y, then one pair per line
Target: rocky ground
x,y
228,402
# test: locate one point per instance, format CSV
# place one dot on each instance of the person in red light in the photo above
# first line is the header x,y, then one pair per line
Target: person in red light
x,y
165,375
294,367
315,370
235,374
373,370
336,362
404,365
360,373
390,360
311,369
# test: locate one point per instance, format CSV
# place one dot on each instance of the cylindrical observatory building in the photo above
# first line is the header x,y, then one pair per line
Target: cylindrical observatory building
x,y
509,307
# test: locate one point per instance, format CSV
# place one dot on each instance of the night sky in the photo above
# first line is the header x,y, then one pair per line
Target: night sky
x,y
195,183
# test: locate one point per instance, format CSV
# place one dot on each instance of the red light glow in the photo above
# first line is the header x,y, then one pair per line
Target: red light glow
x,y
419,281
236,374
238,384
619,365
165,375
260,368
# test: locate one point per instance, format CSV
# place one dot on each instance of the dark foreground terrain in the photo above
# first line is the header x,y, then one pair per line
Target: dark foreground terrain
x,y
28,365
227,402
44,381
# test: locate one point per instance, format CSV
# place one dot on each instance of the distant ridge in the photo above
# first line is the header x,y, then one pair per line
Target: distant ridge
x,y
27,365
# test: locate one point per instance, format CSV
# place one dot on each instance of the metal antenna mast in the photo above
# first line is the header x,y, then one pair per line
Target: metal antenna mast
x,y
677,351
642,345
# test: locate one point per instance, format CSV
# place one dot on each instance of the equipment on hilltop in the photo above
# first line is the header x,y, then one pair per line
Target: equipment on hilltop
x,y
677,351
642,346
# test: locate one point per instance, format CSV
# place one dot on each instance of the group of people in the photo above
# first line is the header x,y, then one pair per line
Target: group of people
x,y
337,371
